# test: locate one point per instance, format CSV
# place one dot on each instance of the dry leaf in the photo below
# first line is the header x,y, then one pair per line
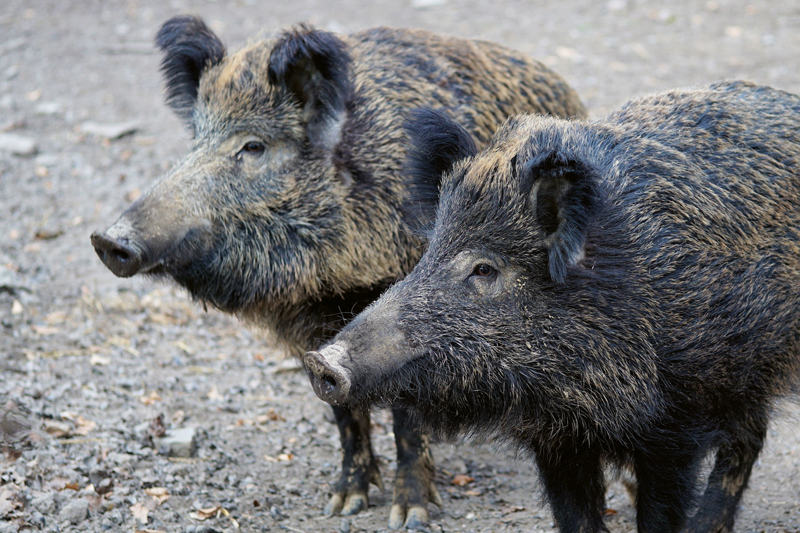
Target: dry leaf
x,y
159,493
8,502
183,346
205,514
57,429
150,399
44,330
84,427
99,360
140,511
281,458
269,415
461,480
610,512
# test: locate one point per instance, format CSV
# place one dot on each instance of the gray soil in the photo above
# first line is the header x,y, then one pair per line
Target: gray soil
x,y
93,368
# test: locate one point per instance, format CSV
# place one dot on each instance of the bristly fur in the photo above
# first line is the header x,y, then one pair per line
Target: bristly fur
x,y
436,143
189,48
666,330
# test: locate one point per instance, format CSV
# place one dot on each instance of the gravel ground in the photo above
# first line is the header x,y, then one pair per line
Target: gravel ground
x,y
96,371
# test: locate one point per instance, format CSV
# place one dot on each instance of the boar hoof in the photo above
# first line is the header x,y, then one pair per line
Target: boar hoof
x,y
350,504
354,503
415,518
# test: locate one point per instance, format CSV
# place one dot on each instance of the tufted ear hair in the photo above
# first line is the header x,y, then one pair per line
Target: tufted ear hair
x,y
436,143
314,66
189,47
564,196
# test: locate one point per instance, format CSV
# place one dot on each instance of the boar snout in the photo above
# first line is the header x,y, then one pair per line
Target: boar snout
x,y
331,381
121,257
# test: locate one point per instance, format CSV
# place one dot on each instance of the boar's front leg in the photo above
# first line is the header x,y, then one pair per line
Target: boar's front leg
x,y
667,472
414,484
728,480
573,480
359,466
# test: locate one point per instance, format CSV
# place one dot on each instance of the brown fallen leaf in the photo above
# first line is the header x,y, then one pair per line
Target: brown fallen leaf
x,y
284,457
84,426
461,480
142,509
8,502
205,514
57,429
269,415
150,399
159,493
610,512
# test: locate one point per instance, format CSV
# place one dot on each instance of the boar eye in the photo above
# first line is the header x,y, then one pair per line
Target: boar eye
x,y
483,270
253,147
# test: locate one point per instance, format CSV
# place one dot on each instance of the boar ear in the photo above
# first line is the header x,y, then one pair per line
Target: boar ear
x,y
436,143
314,66
189,47
564,197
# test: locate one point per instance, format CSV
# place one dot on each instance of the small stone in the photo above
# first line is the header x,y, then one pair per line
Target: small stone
x,y
45,503
75,511
9,527
47,108
110,130
17,144
344,526
423,4
180,442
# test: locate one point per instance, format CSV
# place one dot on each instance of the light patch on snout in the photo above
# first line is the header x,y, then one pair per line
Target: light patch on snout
x,y
334,355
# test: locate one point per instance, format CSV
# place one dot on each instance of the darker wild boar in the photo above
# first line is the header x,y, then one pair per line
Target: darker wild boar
x,y
620,292
287,209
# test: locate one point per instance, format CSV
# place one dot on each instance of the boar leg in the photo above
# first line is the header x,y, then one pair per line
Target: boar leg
x,y
666,473
575,487
414,484
359,466
727,481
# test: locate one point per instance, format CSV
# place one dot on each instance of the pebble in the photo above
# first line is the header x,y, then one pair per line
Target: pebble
x,y
17,144
75,511
180,442
110,130
44,503
9,527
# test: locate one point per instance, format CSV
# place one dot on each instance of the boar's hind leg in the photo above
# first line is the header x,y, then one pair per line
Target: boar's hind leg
x,y
359,466
727,481
575,487
414,485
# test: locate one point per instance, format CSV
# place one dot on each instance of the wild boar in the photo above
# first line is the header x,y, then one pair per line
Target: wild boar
x,y
618,292
287,210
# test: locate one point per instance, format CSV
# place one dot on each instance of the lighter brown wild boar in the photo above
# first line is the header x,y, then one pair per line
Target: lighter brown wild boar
x,y
287,209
